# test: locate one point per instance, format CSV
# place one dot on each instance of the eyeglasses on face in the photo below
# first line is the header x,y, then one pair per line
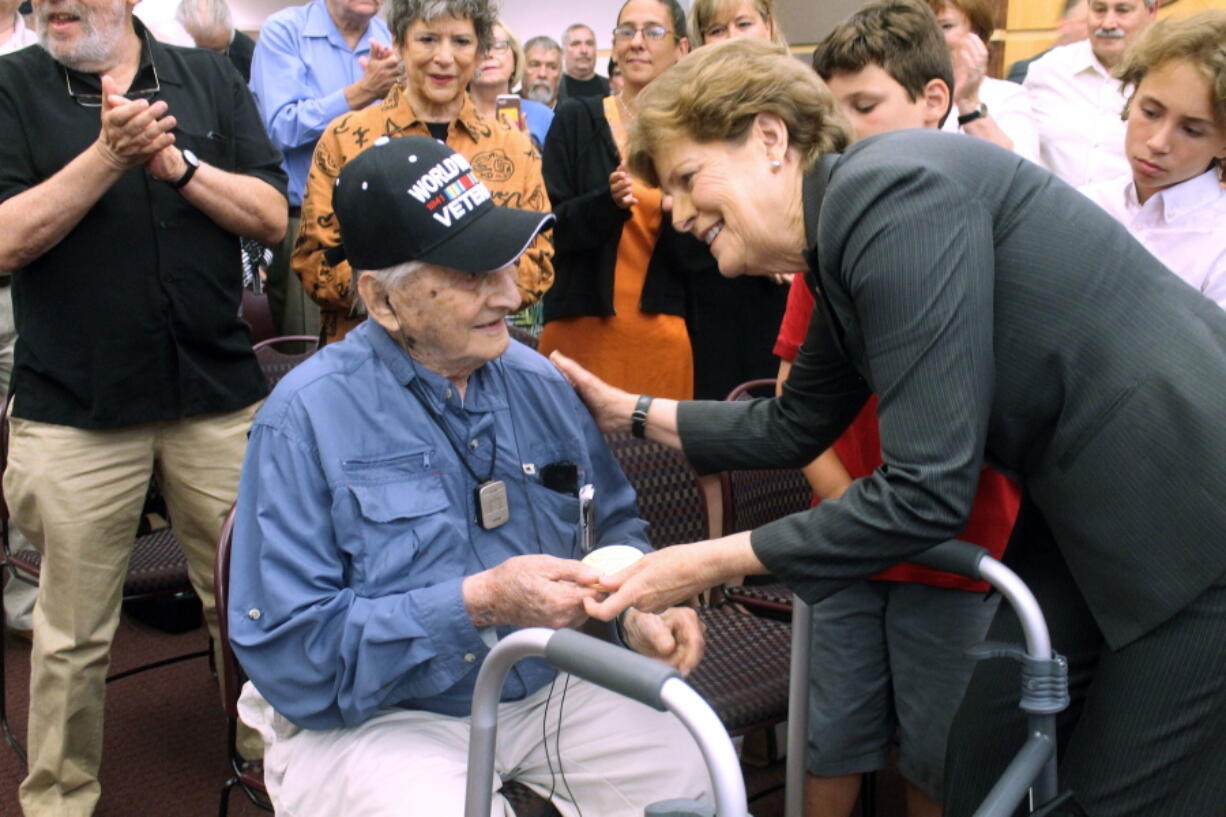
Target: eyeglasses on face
x,y
651,31
500,45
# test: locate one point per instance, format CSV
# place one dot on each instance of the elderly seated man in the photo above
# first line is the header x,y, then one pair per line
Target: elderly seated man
x,y
407,499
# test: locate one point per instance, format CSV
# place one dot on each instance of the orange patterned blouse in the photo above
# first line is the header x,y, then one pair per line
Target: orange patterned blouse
x,y
502,157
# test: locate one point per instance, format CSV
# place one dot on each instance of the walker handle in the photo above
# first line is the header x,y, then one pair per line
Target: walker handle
x,y
633,675
953,556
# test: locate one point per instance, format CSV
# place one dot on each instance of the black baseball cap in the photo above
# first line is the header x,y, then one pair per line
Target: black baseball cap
x,y
412,198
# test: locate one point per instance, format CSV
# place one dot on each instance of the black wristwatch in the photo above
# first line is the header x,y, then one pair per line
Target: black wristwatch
x,y
978,113
638,418
193,164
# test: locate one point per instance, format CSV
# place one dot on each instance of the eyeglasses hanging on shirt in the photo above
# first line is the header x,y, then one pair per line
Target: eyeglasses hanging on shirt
x,y
87,98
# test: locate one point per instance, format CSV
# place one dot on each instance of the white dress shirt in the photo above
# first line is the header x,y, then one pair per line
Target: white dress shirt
x,y
1077,108
1009,104
20,38
1184,226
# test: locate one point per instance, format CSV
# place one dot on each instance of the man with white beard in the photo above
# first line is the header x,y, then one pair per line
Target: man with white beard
x,y
128,172
542,70
1077,104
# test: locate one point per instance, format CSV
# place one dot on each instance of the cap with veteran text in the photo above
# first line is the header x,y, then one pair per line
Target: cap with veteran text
x,y
415,199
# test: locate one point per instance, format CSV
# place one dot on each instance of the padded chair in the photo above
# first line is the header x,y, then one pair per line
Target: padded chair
x,y
278,355
156,568
256,311
744,674
753,498
524,335
249,774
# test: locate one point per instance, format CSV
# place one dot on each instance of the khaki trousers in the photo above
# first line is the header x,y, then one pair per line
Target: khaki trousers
x,y
77,494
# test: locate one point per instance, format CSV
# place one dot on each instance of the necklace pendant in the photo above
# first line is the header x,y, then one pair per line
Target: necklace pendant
x,y
493,509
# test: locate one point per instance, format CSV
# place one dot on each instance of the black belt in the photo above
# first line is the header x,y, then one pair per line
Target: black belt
x,y
295,211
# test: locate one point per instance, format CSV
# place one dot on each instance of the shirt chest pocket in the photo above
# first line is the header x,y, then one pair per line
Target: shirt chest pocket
x,y
402,532
557,510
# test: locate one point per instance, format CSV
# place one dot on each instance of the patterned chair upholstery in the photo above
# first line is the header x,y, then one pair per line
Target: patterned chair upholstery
x,y
744,674
753,498
276,358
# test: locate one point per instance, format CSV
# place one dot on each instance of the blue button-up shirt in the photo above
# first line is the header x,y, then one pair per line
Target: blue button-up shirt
x,y
298,77
356,524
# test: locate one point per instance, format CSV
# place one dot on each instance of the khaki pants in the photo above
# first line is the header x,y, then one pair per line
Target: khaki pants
x,y
77,494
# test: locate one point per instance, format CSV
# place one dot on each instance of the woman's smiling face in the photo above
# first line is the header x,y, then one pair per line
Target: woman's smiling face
x,y
727,195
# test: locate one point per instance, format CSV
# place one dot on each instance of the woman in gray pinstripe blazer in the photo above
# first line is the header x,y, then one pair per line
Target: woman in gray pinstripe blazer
x,y
998,315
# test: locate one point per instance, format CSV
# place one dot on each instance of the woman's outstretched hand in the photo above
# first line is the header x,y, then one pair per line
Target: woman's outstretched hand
x,y
611,407
674,575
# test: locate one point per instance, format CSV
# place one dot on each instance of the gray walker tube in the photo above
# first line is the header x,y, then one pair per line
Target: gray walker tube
x,y
644,679
1044,686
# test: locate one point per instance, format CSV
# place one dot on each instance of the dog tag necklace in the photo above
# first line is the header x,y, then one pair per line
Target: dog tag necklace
x,y
493,509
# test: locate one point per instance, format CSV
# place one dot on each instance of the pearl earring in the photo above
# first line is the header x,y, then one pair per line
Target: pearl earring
x,y
776,164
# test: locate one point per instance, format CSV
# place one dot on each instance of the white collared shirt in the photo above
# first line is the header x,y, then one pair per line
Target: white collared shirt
x,y
1184,226
1009,104
1077,108
21,37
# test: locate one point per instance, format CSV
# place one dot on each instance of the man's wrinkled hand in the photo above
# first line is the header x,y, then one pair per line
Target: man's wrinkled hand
x,y
133,130
674,636
167,165
381,70
530,591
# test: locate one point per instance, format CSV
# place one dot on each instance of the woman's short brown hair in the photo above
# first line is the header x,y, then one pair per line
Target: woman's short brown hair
x,y
978,12
715,93
702,14
403,13
1199,39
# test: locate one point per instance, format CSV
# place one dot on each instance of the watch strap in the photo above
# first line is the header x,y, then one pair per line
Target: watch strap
x,y
193,164
978,113
638,418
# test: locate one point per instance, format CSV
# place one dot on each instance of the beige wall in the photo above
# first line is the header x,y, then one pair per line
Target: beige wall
x,y
1027,31
1031,23
805,21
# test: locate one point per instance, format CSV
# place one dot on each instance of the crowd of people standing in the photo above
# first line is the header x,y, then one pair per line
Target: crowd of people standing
x,y
692,231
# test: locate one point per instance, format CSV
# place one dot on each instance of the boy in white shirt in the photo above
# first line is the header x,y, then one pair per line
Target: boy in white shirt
x,y
1174,202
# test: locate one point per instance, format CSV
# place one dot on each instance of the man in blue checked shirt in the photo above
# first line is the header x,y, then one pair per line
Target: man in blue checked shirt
x,y
313,63
400,511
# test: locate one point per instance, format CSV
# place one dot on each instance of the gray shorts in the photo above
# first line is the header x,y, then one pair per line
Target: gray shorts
x,y
889,664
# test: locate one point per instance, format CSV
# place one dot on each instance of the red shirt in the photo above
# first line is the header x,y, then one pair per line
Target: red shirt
x,y
859,447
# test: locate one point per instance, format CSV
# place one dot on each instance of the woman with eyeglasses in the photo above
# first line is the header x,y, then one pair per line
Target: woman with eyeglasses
x,y
439,42
619,302
500,70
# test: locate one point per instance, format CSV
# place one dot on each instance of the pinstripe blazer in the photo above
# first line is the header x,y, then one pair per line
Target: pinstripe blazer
x,y
998,313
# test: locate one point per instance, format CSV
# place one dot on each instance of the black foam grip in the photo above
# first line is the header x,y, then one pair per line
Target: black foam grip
x,y
954,556
612,667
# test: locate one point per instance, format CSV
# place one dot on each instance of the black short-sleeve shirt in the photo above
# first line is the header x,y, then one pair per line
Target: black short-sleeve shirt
x,y
134,315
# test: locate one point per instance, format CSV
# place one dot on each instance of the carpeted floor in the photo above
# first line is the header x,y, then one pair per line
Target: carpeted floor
x,y
164,745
